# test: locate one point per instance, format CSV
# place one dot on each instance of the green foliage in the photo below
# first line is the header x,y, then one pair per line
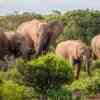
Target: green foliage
x,y
11,22
60,94
12,74
81,85
46,72
81,24
87,87
12,91
96,64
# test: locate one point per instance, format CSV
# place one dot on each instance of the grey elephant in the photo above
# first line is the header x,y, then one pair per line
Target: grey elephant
x,y
35,36
76,52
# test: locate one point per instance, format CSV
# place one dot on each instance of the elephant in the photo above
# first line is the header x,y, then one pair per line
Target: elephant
x,y
8,44
4,42
95,45
77,52
7,48
35,36
12,43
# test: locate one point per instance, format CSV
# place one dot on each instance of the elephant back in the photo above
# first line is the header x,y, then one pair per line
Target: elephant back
x,y
71,49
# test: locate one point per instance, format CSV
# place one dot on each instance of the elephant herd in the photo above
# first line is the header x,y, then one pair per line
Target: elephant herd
x,y
34,37
30,39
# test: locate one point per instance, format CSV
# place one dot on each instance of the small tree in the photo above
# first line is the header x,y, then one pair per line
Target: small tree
x,y
45,73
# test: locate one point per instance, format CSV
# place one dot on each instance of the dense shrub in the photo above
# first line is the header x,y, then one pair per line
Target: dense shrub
x,y
87,87
60,94
96,80
81,85
12,91
45,72
12,74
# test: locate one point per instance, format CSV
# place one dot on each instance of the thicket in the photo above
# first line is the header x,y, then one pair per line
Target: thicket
x,y
46,73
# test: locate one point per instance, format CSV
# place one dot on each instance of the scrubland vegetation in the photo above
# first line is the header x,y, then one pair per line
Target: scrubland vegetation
x,y
50,77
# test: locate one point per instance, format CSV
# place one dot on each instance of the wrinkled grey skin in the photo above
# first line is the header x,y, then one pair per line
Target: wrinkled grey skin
x,y
47,34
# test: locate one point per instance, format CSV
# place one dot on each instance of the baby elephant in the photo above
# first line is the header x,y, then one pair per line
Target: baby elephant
x,y
76,52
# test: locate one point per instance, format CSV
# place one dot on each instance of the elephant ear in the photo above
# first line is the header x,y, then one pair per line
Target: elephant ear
x,y
56,28
43,28
42,36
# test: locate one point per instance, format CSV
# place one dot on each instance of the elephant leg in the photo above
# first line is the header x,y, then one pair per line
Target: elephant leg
x,y
78,68
88,70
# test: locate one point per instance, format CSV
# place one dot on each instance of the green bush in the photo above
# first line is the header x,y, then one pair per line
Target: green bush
x,y
87,87
12,74
96,80
96,64
81,88
81,85
45,72
12,91
60,94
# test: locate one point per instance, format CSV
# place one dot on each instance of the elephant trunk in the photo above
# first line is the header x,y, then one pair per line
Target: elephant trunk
x,y
86,63
43,44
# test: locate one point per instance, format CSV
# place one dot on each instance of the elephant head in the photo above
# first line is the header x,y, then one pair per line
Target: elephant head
x,y
19,46
56,28
49,32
